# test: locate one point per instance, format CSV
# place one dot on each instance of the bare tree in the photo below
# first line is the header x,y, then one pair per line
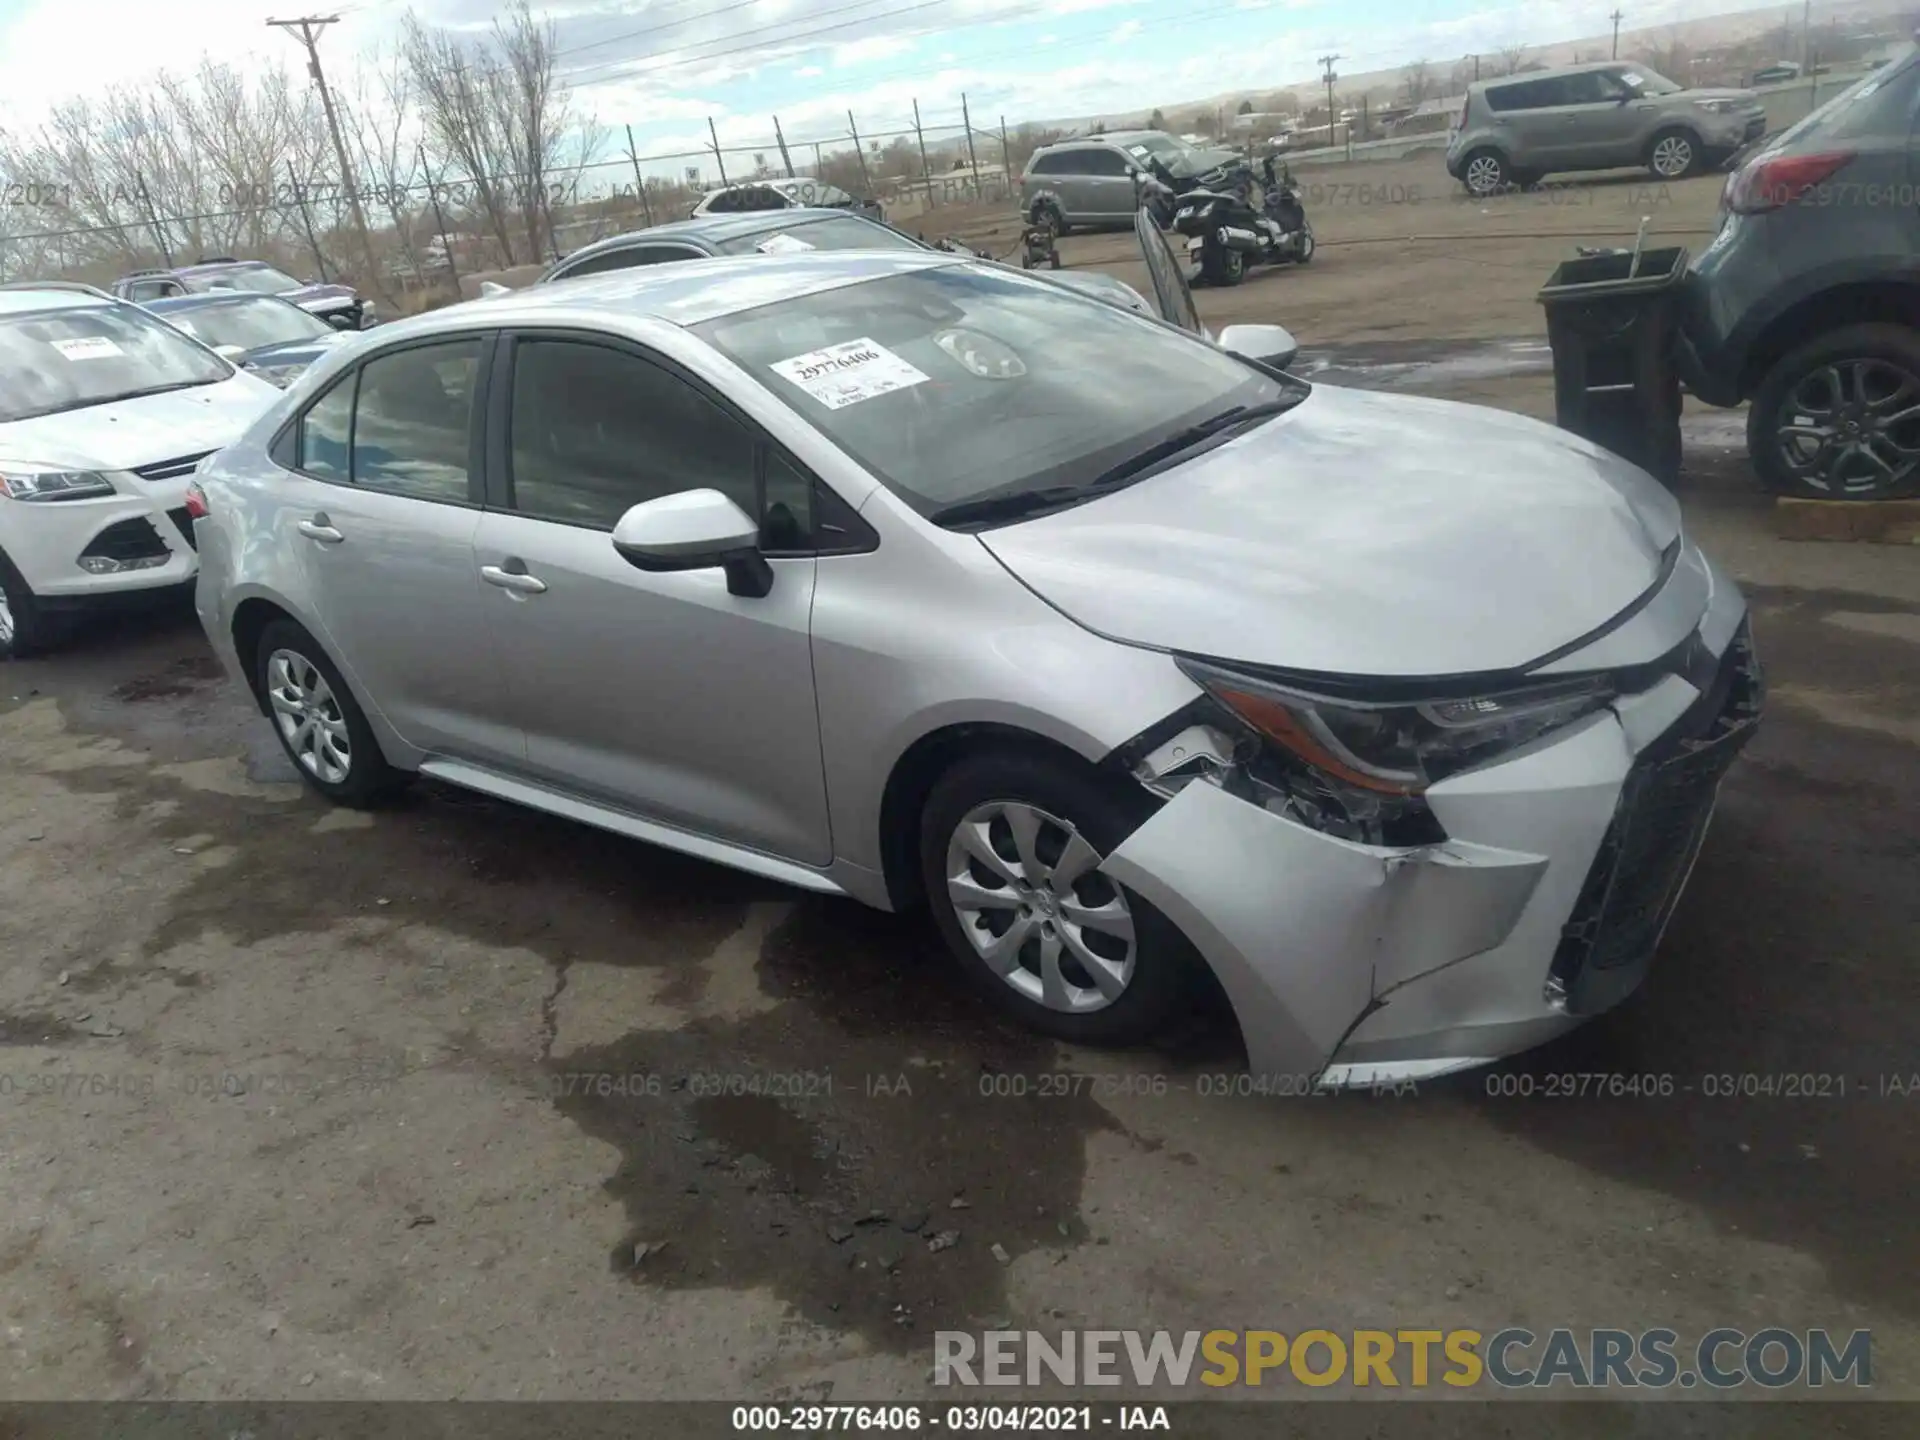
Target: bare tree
x,y
465,96
1509,59
1418,83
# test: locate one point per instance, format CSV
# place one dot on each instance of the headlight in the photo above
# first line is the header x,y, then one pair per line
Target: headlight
x,y
1718,107
43,483
1397,749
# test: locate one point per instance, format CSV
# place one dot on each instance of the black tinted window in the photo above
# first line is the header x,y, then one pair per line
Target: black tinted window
x,y
1106,162
1522,96
842,232
1045,165
325,432
412,428
596,430
1589,87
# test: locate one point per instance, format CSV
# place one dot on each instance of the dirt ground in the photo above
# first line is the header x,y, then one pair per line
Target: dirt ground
x,y
311,1104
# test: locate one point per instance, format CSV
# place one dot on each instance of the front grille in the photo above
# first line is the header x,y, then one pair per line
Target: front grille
x,y
1756,126
1657,828
183,521
171,469
126,540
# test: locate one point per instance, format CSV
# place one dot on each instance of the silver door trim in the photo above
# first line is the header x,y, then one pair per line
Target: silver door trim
x,y
470,776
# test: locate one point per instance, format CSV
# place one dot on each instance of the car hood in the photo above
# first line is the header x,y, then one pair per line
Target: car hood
x,y
1361,534
1201,162
322,298
1741,97
142,431
298,352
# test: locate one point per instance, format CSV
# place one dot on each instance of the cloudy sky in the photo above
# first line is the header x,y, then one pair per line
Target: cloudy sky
x,y
665,66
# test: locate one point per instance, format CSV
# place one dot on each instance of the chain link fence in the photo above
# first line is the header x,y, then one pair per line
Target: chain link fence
x,y
425,228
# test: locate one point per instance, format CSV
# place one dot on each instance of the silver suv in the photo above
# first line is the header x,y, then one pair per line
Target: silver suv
x,y
1089,181
1595,117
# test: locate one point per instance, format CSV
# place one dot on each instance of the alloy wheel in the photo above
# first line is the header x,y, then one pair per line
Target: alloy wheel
x,y
1852,428
6,618
1673,156
1028,892
309,717
1484,175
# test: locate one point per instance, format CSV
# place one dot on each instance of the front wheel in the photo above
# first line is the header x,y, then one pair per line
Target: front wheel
x,y
1484,174
1222,265
1839,418
1674,155
320,725
1011,844
25,629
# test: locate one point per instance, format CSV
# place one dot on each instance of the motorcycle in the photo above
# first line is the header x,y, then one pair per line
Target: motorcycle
x,y
1227,230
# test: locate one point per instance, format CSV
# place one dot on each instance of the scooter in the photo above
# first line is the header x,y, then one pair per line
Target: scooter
x,y
1227,231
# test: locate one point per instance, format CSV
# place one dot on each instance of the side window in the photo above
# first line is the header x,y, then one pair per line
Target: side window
x,y
1502,98
412,428
325,432
786,510
596,430
624,259
1558,91
1106,163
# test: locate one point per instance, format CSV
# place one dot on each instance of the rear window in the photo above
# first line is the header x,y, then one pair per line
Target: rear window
x,y
54,360
1880,106
841,232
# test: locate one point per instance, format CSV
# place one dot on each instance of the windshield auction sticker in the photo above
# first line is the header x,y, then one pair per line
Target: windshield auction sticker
x,y
88,347
845,374
782,244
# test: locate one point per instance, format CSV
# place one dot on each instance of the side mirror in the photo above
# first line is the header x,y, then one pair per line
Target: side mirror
x,y
341,322
230,352
1269,345
695,530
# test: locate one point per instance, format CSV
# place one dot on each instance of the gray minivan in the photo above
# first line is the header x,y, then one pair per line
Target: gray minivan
x,y
1599,116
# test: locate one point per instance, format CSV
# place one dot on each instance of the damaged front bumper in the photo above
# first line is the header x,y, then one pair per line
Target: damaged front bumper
x,y
1357,964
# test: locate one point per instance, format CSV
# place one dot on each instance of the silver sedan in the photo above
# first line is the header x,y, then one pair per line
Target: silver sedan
x,y
920,581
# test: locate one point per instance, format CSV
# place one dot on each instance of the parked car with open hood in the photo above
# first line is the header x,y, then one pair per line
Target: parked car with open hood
x,y
919,580
795,193
339,305
262,334
1092,180
1595,116
104,413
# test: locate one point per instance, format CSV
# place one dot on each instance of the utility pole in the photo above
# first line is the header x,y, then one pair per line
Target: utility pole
x,y
308,29
1806,40
1326,64
1616,17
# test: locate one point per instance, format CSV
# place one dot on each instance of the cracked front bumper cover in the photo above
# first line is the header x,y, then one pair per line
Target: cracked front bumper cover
x,y
1306,932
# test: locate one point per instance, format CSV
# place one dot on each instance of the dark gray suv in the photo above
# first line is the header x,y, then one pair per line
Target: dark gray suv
x,y
1806,303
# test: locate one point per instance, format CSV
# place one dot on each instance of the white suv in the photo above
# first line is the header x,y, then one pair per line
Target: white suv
x,y
104,413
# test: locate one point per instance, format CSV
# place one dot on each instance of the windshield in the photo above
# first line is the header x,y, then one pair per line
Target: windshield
x,y
955,383
842,232
1876,106
1164,146
259,279
1642,81
53,360
248,323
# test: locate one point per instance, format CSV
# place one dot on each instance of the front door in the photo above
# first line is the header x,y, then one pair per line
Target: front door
x,y
659,693
384,508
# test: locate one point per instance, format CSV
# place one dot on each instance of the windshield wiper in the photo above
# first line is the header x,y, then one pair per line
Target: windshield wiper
x,y
1019,504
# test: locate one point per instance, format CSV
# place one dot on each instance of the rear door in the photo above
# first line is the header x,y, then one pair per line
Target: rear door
x,y
1598,125
383,505
1109,184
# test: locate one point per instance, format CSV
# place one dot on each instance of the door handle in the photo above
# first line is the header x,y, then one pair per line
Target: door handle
x,y
321,529
516,580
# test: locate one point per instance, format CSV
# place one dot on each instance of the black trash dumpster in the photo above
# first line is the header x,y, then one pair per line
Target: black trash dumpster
x,y
1610,321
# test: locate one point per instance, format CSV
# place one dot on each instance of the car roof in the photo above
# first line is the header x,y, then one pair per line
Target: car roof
x,y
31,300
209,266
717,229
1521,77
688,293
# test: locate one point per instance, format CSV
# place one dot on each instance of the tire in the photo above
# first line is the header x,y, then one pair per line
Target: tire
x,y
1871,449
25,629
1104,990
1675,153
1485,174
287,665
1222,265
1045,212
1307,246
